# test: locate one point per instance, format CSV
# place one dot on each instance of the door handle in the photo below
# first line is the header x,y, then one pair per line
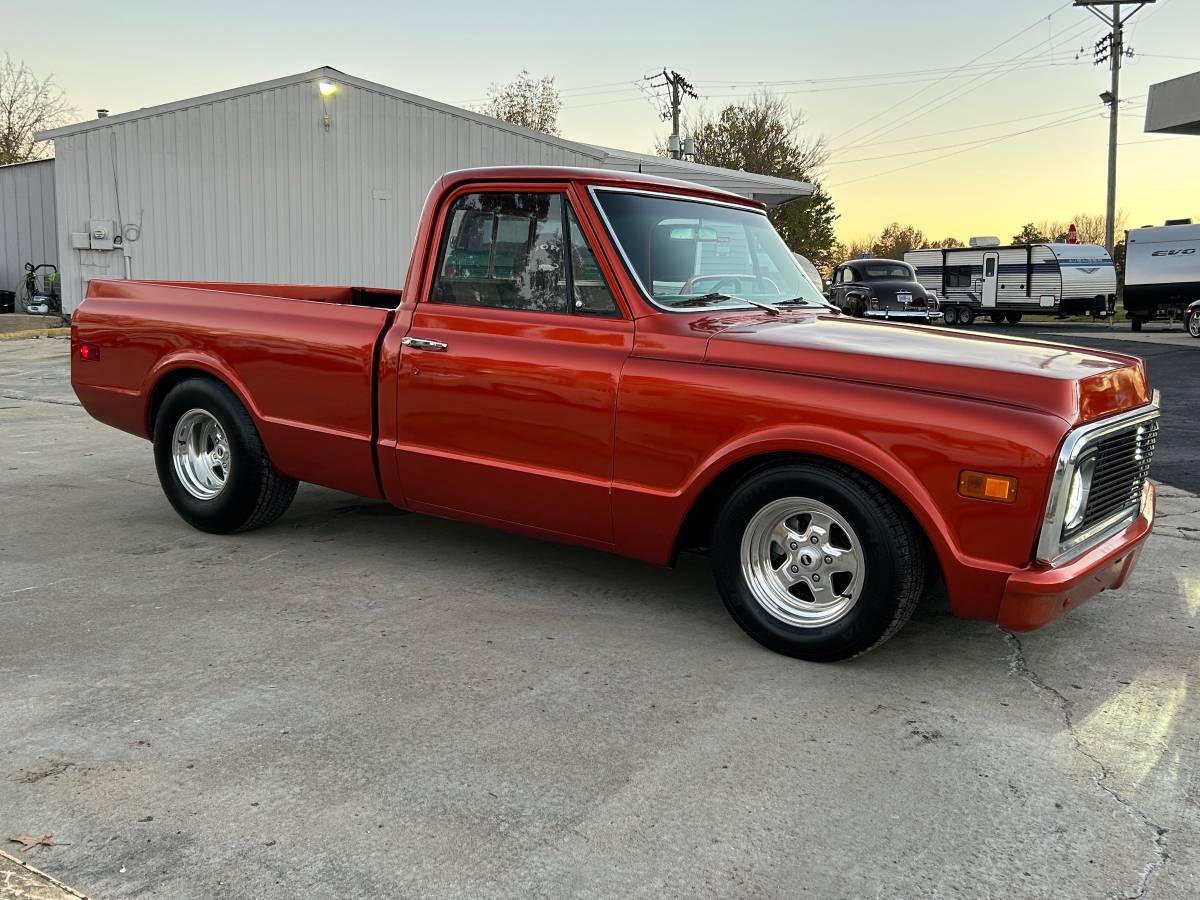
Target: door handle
x,y
422,344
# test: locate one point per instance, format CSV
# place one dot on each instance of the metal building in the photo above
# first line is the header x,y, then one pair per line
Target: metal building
x,y
27,229
316,178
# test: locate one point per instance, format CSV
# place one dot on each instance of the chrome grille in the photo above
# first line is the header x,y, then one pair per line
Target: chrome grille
x,y
1122,464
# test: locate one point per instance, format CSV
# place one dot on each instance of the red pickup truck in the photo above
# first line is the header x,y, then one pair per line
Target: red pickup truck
x,y
638,365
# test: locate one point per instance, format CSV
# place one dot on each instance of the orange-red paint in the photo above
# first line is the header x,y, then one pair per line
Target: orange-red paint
x,y
606,432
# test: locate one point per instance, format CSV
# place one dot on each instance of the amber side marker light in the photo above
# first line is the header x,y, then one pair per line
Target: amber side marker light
x,y
983,486
89,351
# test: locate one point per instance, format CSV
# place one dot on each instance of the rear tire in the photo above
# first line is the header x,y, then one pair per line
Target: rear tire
x,y
858,559
1193,325
997,318
211,461
1012,318
966,315
1135,323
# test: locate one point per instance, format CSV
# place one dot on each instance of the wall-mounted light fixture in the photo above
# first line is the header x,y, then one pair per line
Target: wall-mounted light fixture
x,y
327,89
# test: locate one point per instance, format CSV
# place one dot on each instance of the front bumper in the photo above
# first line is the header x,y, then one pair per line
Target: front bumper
x,y
925,314
1040,594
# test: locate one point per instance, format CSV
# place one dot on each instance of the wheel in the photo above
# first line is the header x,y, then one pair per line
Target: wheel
x,y
1135,323
211,461
950,315
997,318
966,315
1193,324
1011,318
816,561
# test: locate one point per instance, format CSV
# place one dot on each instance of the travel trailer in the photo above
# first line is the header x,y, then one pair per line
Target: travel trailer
x,y
1006,282
1162,271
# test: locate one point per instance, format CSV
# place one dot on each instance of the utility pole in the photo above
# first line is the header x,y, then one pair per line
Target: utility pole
x,y
679,87
1111,49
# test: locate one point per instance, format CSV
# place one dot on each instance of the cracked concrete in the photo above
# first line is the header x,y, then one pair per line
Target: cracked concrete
x,y
1020,667
361,703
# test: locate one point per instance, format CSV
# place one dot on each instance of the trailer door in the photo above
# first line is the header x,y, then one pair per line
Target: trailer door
x,y
991,278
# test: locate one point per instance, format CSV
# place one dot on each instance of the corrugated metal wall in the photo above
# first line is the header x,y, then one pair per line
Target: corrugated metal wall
x,y
27,230
254,188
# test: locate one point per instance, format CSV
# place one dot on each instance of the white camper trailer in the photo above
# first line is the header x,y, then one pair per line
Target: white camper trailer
x,y
1162,271
1005,282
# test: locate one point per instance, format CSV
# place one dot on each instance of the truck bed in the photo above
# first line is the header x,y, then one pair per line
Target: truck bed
x,y
300,357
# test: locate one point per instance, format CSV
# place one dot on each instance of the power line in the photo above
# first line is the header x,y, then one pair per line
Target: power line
x,y
1070,120
974,59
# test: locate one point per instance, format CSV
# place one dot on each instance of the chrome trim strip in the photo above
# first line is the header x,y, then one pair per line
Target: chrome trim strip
x,y
901,314
666,194
1051,549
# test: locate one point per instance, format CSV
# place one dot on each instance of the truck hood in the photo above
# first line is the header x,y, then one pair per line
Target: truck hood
x,y
1073,383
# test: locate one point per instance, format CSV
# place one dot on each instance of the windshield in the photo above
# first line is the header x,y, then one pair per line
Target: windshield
x,y
888,270
687,253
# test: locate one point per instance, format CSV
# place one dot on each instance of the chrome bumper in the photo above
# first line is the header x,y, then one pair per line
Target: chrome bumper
x,y
902,314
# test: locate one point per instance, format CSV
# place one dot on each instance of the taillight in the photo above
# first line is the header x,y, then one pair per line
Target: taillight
x,y
89,351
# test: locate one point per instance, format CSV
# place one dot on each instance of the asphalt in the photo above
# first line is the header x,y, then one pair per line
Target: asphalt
x,y
362,703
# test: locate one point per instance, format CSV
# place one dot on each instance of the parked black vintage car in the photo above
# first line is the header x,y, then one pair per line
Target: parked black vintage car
x,y
881,289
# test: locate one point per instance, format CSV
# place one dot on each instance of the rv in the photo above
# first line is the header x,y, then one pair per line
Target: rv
x,y
1162,271
1005,282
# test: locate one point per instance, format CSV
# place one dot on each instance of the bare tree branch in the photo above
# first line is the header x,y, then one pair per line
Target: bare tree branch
x,y
27,105
527,101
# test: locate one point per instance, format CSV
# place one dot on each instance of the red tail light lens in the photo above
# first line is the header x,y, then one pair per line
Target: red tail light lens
x,y
89,351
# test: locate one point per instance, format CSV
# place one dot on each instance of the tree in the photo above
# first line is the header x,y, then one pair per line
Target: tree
x,y
1029,234
949,242
27,105
762,135
527,101
896,240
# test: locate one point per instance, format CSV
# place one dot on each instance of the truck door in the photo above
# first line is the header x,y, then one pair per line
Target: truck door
x,y
991,278
508,375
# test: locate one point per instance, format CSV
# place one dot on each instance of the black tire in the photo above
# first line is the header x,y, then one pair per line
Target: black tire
x,y
254,494
997,318
966,315
894,551
950,315
1135,323
1193,324
1012,318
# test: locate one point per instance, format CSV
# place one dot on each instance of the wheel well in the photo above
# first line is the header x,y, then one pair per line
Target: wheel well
x,y
163,387
696,532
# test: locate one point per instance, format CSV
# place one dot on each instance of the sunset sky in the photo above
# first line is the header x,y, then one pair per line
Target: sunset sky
x,y
913,136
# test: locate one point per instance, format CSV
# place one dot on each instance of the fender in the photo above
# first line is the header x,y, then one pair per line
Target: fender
x,y
651,520
204,362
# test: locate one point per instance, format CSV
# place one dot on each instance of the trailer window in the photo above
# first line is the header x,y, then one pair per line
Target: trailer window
x,y
959,276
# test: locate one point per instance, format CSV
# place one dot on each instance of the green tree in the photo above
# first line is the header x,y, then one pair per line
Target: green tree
x,y
949,242
1029,234
896,240
28,104
762,135
527,101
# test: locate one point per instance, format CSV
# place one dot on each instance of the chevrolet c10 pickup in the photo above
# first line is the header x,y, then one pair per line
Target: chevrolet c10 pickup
x,y
639,366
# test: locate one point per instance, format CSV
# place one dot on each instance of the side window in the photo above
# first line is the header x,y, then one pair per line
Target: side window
x,y
959,276
989,267
591,292
504,250
847,275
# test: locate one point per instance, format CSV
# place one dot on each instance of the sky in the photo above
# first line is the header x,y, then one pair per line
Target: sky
x,y
961,117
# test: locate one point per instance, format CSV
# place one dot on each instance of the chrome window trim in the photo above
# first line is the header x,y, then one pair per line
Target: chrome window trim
x,y
594,189
1052,549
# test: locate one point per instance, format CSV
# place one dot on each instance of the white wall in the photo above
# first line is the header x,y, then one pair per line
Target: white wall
x,y
254,188
27,230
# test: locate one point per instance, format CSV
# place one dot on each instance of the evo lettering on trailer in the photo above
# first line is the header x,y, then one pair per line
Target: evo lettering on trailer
x,y
1188,251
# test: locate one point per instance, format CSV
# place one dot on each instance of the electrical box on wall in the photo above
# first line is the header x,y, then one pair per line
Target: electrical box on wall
x,y
81,240
101,233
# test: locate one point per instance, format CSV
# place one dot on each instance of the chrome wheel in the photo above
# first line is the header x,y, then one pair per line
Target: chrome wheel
x,y
200,452
1193,325
802,562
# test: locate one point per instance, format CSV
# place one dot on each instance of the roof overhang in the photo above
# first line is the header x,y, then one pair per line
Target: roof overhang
x,y
766,189
1174,106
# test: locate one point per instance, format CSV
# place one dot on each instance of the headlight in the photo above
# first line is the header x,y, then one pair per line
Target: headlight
x,y
1077,493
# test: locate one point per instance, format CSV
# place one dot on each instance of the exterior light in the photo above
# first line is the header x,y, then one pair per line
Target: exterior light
x,y
985,486
326,87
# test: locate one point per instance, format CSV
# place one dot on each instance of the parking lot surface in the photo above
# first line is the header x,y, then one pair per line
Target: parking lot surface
x,y
357,702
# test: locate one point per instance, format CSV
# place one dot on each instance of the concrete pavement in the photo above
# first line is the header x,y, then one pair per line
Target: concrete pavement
x,y
356,702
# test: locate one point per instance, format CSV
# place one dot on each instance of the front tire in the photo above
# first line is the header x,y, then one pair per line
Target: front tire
x,y
1012,318
211,461
997,318
816,561
1193,325
1135,323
